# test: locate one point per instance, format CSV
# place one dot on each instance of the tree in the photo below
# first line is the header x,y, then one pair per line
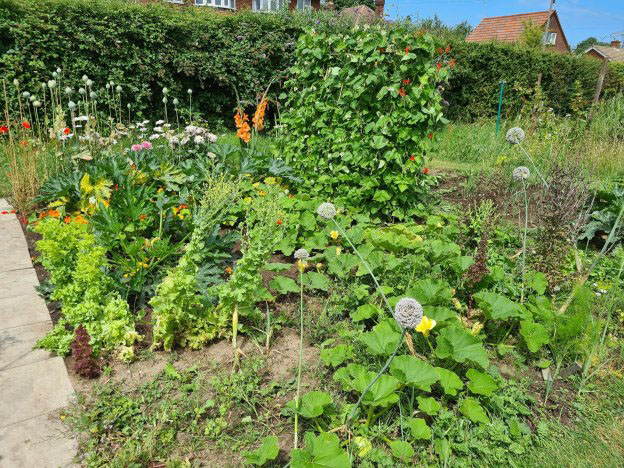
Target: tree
x,y
586,44
531,36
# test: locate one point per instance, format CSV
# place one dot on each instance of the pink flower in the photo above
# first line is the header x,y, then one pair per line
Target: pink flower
x,y
146,145
137,147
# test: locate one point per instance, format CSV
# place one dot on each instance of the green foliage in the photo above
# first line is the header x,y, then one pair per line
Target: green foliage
x,y
458,344
473,411
182,315
268,451
356,122
413,372
320,451
402,450
419,429
480,383
313,404
78,271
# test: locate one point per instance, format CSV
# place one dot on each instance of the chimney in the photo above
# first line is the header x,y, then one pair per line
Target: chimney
x,y
616,44
379,7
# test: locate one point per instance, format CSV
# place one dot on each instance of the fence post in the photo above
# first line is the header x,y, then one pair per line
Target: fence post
x,y
500,106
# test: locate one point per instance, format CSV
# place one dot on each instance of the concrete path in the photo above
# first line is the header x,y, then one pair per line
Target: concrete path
x,y
33,383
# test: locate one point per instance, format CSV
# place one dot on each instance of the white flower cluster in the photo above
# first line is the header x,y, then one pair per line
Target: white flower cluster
x,y
302,254
326,210
521,173
515,136
408,313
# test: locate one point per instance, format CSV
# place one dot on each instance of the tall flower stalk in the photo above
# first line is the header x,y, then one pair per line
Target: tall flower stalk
x,y
301,256
521,174
515,136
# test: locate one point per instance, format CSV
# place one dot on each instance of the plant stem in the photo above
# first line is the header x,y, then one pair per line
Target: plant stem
x,y
534,166
234,336
376,378
300,354
524,240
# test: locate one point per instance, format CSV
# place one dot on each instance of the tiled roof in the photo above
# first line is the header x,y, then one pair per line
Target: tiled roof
x,y
505,28
613,53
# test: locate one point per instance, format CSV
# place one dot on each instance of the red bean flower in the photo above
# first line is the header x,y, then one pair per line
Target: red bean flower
x,y
4,129
25,124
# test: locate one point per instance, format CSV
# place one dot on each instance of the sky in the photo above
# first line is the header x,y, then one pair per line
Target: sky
x,y
580,18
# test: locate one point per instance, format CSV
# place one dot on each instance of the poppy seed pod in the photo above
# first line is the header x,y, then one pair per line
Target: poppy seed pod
x,y
515,136
326,210
408,313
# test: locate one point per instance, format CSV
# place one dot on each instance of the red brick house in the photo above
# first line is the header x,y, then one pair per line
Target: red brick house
x,y
267,5
614,52
510,29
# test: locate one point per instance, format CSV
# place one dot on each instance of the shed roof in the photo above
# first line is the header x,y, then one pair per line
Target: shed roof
x,y
612,53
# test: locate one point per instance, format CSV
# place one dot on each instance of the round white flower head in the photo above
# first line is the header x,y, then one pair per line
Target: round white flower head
x,y
92,95
37,104
112,83
33,98
515,135
82,91
107,85
58,70
165,90
408,313
71,105
89,83
190,91
68,91
15,82
118,88
302,254
43,85
85,78
176,102
26,94
128,105
51,84
54,75
165,100
326,210
521,173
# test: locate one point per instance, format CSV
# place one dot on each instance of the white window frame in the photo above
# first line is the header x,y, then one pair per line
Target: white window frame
x,y
551,38
227,4
176,2
276,5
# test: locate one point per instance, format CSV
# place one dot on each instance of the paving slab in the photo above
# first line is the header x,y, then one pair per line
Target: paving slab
x,y
18,283
16,345
13,244
5,205
18,311
39,442
15,259
10,228
33,389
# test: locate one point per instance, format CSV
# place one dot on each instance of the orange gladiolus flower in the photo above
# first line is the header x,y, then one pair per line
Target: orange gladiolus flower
x,y
244,130
258,118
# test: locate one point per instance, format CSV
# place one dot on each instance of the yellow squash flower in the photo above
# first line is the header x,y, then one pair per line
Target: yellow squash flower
x,y
334,235
426,325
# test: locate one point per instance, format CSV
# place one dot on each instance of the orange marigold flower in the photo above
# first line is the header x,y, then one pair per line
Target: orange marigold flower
x,y
412,158
54,213
258,118
80,219
24,143
439,50
183,206
426,170
66,131
67,219
142,217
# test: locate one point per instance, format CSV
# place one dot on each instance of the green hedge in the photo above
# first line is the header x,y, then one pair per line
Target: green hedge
x,y
475,84
147,47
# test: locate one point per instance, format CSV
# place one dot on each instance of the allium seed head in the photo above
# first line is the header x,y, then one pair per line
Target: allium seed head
x,y
165,100
89,83
51,84
71,105
15,82
82,91
326,210
190,91
302,254
515,135
33,98
408,313
92,95
85,78
58,70
118,88
37,104
26,94
521,173
165,91
176,102
68,91
107,85
54,75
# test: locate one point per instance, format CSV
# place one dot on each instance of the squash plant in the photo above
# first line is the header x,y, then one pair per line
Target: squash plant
x,y
362,111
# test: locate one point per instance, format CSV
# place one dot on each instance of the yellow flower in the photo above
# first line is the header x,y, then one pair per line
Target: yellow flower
x,y
338,250
426,325
270,181
319,266
247,199
476,328
334,235
439,225
160,189
262,193
255,185
301,265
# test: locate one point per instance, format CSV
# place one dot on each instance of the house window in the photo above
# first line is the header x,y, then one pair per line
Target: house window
x,y
276,5
551,38
231,4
